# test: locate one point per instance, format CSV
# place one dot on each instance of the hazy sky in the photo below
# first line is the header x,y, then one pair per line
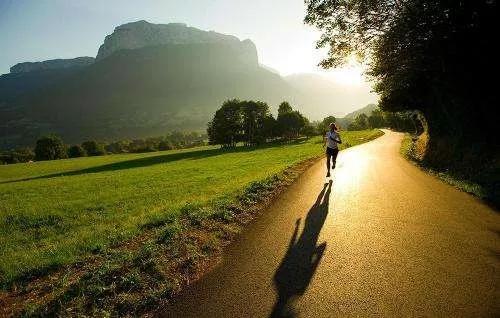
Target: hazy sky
x,y
46,29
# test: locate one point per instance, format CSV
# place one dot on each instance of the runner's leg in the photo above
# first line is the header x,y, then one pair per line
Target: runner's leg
x,y
328,156
334,157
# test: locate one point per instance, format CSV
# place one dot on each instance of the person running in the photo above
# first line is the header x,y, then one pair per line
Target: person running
x,y
332,139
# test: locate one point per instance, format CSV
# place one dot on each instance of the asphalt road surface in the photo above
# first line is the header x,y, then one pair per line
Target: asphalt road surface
x,y
382,239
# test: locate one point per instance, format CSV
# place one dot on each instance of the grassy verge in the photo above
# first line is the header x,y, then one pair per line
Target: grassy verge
x,y
122,233
451,176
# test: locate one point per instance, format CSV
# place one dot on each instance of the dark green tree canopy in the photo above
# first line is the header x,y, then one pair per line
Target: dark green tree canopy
x,y
50,148
435,56
284,108
323,126
76,151
252,123
93,148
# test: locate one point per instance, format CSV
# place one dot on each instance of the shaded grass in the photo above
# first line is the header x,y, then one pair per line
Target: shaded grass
x,y
60,212
482,182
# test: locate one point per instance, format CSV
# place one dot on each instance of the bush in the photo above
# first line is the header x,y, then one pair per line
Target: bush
x,y
76,151
118,147
50,148
165,145
17,156
93,148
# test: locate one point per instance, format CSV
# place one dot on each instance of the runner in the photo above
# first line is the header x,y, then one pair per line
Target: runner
x,y
332,139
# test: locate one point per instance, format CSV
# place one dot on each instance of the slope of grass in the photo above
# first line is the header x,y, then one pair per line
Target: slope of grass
x,y
483,185
57,212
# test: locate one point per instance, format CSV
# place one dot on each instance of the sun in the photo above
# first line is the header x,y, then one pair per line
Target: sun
x,y
350,74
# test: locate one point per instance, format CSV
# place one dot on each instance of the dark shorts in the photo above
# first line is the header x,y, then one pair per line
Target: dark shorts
x,y
331,151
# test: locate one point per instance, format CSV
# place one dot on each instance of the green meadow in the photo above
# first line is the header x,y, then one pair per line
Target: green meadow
x,y
57,212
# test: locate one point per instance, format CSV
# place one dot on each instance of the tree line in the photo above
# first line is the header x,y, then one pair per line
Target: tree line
x,y
437,57
251,123
236,121
52,147
400,121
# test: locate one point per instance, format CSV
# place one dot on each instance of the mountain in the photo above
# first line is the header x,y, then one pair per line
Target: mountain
x,y
349,118
175,79
52,64
141,34
148,79
324,97
367,110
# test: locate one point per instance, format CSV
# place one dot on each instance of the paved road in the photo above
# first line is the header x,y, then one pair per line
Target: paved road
x,y
384,239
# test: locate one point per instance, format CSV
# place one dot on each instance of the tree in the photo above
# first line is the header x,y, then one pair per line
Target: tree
x,y
290,124
120,146
270,127
360,122
17,156
50,148
93,148
254,116
434,56
226,128
76,151
284,108
309,130
325,123
376,119
165,145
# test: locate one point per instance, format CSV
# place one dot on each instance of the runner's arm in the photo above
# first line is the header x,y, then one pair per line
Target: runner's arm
x,y
336,140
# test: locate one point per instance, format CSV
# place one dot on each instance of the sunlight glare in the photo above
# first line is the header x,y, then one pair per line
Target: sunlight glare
x,y
350,74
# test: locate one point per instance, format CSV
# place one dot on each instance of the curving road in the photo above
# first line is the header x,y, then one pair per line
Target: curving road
x,y
384,239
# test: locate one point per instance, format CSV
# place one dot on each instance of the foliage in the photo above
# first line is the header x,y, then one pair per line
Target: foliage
x,y
291,124
255,116
284,108
323,126
17,156
94,148
50,148
120,146
360,122
434,56
226,128
172,140
76,151
250,122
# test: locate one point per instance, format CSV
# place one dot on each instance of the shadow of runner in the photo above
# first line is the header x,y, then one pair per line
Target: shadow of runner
x,y
302,257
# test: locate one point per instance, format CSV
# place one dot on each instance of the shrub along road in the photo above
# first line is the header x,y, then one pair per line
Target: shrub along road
x,y
383,239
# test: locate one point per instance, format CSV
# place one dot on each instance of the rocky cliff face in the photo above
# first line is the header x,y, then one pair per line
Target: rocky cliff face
x,y
143,34
51,64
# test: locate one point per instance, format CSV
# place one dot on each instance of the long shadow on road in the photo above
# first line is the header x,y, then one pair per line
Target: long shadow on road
x,y
302,257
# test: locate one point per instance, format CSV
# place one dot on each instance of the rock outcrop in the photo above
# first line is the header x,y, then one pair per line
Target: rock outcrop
x,y
141,34
52,64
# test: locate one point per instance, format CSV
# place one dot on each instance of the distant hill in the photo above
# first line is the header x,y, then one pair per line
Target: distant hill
x,y
347,119
367,110
148,79
136,92
323,97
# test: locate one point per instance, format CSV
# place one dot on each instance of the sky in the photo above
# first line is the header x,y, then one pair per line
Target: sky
x,y
37,30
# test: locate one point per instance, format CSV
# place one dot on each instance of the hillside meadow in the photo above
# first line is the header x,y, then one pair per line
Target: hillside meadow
x,y
57,212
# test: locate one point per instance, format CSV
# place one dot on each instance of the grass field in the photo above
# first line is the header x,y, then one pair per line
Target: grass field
x,y
57,212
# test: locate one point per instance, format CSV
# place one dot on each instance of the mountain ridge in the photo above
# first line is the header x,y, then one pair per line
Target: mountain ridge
x,y
144,91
